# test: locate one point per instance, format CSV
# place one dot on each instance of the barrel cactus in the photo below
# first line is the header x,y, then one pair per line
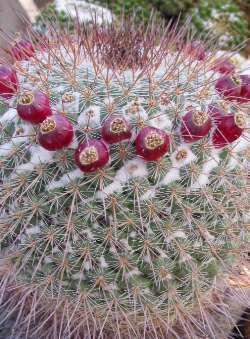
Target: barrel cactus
x,y
124,196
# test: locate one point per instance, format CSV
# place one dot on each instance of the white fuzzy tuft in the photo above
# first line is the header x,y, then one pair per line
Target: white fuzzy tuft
x,y
131,169
90,117
65,179
203,178
10,115
39,155
33,230
161,120
172,175
190,156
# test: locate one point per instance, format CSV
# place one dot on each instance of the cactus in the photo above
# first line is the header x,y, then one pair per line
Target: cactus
x,y
123,185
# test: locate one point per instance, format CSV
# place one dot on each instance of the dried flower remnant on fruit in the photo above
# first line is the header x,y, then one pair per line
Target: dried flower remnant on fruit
x,y
88,155
199,118
153,140
26,98
48,125
118,126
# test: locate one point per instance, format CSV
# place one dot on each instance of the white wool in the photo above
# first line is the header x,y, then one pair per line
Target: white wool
x,y
39,155
172,175
65,179
78,276
126,244
161,120
201,181
147,259
148,194
133,234
86,12
134,116
6,148
182,162
87,265
174,235
131,169
103,262
10,115
132,273
85,119
89,234
33,230
16,140
47,260
211,163
71,108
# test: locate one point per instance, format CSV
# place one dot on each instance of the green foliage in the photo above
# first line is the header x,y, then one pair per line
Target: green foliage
x,y
224,19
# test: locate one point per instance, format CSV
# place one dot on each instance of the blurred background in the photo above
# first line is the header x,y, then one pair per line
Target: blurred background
x,y
229,20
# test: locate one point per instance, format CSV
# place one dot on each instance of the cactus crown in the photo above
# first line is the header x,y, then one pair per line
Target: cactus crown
x,y
118,208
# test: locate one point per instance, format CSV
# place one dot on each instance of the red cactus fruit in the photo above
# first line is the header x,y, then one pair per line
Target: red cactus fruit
x,y
196,49
229,87
91,155
115,129
228,130
8,81
152,143
22,50
216,113
55,132
195,125
224,66
33,107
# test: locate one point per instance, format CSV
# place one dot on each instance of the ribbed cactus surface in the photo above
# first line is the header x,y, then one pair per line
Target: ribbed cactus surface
x,y
124,193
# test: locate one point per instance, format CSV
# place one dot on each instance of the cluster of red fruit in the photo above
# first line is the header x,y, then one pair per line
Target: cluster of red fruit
x,y
56,131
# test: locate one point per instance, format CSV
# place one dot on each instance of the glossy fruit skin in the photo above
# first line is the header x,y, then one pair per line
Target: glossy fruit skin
x,y
226,132
22,50
101,153
227,87
148,151
191,131
196,49
122,132
244,89
60,136
8,81
224,66
37,110
216,113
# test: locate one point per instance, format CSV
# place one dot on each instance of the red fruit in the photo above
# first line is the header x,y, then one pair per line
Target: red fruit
x,y
197,50
229,129
229,87
8,81
152,143
33,107
22,50
91,155
55,132
115,129
195,125
224,66
216,113
245,89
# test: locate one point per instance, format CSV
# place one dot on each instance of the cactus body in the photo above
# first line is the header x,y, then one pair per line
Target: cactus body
x,y
120,237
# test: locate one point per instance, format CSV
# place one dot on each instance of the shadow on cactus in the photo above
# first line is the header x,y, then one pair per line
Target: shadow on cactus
x,y
124,196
